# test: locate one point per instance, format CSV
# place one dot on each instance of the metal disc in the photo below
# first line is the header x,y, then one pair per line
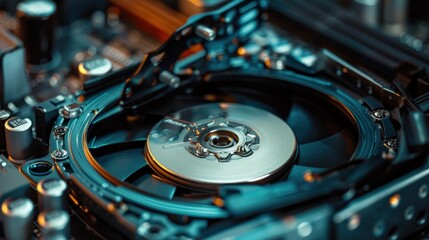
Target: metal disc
x,y
221,143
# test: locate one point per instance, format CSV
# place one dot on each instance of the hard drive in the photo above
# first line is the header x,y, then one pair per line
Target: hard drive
x,y
255,119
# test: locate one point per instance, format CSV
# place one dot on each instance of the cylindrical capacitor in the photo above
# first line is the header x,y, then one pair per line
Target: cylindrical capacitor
x,y
36,20
4,115
368,11
94,67
18,218
52,194
395,16
54,224
19,138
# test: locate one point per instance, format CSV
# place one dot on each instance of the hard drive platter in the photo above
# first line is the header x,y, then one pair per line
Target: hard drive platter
x,y
255,119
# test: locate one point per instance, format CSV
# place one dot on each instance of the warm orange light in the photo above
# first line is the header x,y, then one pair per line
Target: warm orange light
x,y
241,51
196,2
309,177
394,200
218,202
74,200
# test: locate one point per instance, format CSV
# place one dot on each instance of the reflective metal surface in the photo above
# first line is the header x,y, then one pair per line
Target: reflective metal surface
x,y
220,144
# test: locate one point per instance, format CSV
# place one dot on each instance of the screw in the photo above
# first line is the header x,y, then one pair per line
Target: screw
x,y
354,222
409,213
59,132
59,154
423,191
304,229
380,114
392,143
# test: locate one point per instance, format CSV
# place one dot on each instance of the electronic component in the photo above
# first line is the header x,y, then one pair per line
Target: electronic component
x,y
37,26
18,218
368,11
52,194
45,113
395,16
54,225
94,67
13,78
258,119
4,115
19,138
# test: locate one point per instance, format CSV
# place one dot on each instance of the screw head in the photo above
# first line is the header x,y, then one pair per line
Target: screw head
x,y
59,154
423,191
409,213
59,132
380,114
354,222
305,229
392,143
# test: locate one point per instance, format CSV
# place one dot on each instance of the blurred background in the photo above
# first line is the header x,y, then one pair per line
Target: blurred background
x,y
120,32
395,17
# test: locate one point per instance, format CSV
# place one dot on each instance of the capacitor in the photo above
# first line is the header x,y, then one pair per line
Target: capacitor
x,y
395,16
37,26
18,218
19,138
94,67
54,224
368,11
14,85
52,194
4,116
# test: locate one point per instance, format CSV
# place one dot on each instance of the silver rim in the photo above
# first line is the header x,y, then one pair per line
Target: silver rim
x,y
222,143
